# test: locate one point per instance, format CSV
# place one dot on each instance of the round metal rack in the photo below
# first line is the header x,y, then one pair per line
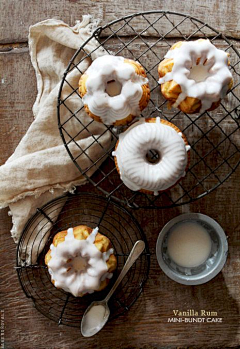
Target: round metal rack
x,y
67,211
213,136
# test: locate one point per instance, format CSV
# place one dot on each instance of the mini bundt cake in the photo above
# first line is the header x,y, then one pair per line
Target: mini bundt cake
x,y
80,260
160,137
114,90
195,76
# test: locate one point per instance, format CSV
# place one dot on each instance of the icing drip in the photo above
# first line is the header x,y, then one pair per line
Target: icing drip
x,y
77,266
103,71
135,171
208,80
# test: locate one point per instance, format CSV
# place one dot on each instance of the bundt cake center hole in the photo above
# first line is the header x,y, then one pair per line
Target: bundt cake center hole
x,y
79,263
199,73
153,156
113,88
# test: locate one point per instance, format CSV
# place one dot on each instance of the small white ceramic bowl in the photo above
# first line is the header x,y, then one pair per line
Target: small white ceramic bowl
x,y
207,270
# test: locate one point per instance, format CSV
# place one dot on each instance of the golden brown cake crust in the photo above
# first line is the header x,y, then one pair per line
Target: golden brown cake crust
x,y
142,103
145,88
102,243
165,122
171,89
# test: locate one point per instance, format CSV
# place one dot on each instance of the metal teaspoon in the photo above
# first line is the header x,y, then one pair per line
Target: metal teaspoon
x,y
100,308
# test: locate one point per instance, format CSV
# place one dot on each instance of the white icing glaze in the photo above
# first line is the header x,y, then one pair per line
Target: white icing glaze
x,y
189,244
110,109
94,318
135,171
77,266
208,81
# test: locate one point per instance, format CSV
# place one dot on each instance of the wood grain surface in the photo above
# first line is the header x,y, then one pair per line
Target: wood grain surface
x,y
146,324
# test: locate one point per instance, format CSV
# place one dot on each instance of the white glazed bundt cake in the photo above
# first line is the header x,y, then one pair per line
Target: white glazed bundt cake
x,y
195,76
131,155
80,260
114,90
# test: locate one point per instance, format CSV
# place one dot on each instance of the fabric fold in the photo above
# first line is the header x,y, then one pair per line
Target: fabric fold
x,y
41,168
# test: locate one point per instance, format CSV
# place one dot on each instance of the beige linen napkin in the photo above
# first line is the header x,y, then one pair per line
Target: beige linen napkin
x,y
40,168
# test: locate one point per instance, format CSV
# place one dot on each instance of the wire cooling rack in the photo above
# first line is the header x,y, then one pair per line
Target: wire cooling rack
x,y
114,221
213,136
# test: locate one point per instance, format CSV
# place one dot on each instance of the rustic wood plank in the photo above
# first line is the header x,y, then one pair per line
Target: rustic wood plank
x,y
17,15
146,324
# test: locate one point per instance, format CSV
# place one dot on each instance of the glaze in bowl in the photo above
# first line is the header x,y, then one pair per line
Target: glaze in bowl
x,y
203,272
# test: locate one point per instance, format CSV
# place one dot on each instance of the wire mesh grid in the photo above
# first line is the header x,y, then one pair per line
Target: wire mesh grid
x,y
213,136
68,211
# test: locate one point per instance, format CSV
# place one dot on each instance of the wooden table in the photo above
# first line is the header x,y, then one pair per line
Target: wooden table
x,y
146,324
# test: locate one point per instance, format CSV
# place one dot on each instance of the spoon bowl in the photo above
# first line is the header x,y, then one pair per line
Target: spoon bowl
x,y
95,317
97,314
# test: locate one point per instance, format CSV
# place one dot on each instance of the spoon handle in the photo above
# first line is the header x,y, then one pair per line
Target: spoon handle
x,y
134,254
